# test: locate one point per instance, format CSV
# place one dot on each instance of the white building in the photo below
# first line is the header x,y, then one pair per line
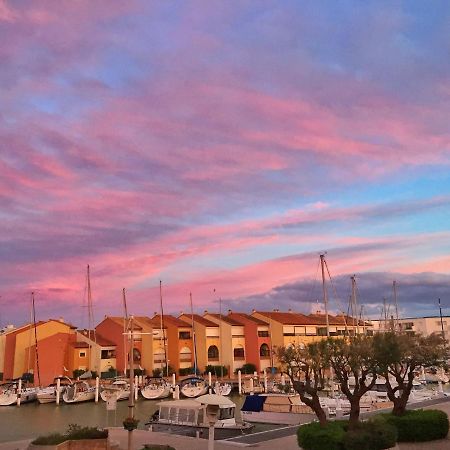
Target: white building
x,y
419,325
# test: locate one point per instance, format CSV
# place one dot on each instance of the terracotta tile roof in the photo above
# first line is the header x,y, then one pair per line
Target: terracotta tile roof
x,y
227,319
170,320
121,320
290,318
241,316
80,344
97,338
199,319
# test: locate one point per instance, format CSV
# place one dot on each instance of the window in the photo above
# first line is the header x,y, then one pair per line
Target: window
x,y
263,334
83,354
239,353
321,331
108,354
213,353
184,335
264,351
185,354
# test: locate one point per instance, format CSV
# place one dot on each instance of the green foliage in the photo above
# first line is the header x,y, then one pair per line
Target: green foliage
x,y
247,369
216,370
77,373
28,377
371,435
313,436
130,424
419,425
74,432
188,371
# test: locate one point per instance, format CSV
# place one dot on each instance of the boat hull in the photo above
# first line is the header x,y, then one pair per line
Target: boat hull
x,y
194,391
155,394
203,431
8,399
275,417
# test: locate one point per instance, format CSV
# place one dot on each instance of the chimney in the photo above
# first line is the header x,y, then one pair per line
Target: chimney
x,y
205,311
253,310
229,311
290,310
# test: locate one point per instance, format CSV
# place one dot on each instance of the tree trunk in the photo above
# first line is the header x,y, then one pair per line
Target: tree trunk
x,y
354,411
400,402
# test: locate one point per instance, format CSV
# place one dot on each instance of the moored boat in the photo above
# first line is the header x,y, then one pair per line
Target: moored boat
x,y
188,417
221,388
119,388
9,393
48,394
80,391
193,386
155,388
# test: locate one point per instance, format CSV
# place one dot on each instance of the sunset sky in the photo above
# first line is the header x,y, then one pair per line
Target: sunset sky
x,y
223,145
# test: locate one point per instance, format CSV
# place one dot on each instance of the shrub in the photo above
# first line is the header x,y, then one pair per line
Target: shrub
x,y
247,369
74,432
216,370
419,425
313,436
371,435
188,371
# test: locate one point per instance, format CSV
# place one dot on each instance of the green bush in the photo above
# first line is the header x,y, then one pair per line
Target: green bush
x,y
216,370
74,432
247,369
371,435
313,436
419,425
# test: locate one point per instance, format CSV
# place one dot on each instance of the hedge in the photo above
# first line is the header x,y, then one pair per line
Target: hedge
x,y
371,436
337,436
313,436
74,432
419,425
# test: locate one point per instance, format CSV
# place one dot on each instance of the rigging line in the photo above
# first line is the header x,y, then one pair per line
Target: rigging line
x,y
36,341
335,291
162,331
314,281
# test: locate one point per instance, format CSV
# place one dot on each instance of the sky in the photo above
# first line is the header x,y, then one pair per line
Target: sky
x,y
220,147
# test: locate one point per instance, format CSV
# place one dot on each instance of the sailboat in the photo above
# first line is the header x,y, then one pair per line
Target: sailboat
x,y
193,386
11,391
221,388
120,388
48,394
158,387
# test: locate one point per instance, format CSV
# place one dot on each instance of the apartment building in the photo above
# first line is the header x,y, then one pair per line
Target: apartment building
x,y
207,338
232,335
420,325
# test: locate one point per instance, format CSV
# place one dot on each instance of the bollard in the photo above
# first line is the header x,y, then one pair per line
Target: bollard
x,y
174,380
136,389
177,392
283,379
141,380
19,391
58,390
252,386
209,379
97,388
240,382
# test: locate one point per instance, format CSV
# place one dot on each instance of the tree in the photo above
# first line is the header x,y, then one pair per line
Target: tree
x,y
399,355
352,358
305,366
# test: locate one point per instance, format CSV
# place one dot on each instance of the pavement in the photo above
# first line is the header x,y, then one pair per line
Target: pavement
x,y
285,439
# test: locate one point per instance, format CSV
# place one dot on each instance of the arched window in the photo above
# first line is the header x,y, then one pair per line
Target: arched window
x,y
238,352
136,355
264,351
213,352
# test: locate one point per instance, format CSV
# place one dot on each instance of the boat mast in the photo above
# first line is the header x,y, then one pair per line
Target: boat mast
x,y
354,305
125,324
132,386
28,368
162,332
193,335
90,317
35,339
325,293
220,337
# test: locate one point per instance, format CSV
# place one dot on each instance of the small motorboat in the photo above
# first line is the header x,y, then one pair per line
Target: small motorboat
x,y
9,393
188,417
156,388
119,388
48,394
193,386
252,385
79,391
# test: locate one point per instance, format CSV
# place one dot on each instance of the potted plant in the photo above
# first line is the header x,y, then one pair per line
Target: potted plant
x,y
130,423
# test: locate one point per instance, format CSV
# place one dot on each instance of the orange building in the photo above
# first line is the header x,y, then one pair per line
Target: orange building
x,y
53,338
180,348
257,340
